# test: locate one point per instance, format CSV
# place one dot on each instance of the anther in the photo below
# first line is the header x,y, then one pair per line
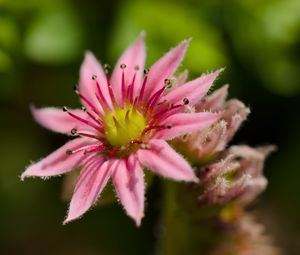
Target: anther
x,y
136,68
170,105
69,152
94,77
169,126
122,66
168,83
83,108
186,101
75,88
73,131
145,146
146,71
106,68
185,136
65,109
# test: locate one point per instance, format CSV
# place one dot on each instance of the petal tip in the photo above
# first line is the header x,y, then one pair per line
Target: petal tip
x,y
26,174
69,218
88,53
191,178
23,176
138,220
195,179
222,69
216,73
32,109
185,43
142,34
66,221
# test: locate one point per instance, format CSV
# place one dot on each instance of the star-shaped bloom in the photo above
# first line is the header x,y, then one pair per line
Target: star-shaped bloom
x,y
124,125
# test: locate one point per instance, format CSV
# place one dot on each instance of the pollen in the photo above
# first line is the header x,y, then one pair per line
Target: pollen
x,y
123,125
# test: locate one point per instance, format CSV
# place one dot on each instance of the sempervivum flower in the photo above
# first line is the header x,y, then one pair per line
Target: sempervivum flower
x,y
203,146
124,125
238,177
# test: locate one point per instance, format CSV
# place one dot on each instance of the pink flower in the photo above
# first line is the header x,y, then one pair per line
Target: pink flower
x,y
236,177
124,125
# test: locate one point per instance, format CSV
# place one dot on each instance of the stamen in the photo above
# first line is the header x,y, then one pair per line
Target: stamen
x,y
162,102
111,93
69,152
123,89
84,121
154,127
135,102
161,114
88,135
102,100
98,149
88,102
153,100
146,71
73,131
155,97
89,148
83,108
185,101
106,68
94,77
99,122
168,83
128,92
132,88
136,67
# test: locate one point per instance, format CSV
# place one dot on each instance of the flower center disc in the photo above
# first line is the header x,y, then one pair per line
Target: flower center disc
x,y
123,125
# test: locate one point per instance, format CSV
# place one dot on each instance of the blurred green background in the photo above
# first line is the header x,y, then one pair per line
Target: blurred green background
x,y
41,48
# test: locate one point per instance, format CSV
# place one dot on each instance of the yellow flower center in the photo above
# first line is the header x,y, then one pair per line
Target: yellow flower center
x,y
123,125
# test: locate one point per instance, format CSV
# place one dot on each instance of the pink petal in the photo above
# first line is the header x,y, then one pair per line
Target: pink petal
x,y
58,162
164,68
193,90
184,123
91,182
87,86
132,57
162,159
214,101
58,121
128,178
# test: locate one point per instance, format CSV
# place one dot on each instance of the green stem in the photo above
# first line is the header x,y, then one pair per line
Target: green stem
x,y
188,228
